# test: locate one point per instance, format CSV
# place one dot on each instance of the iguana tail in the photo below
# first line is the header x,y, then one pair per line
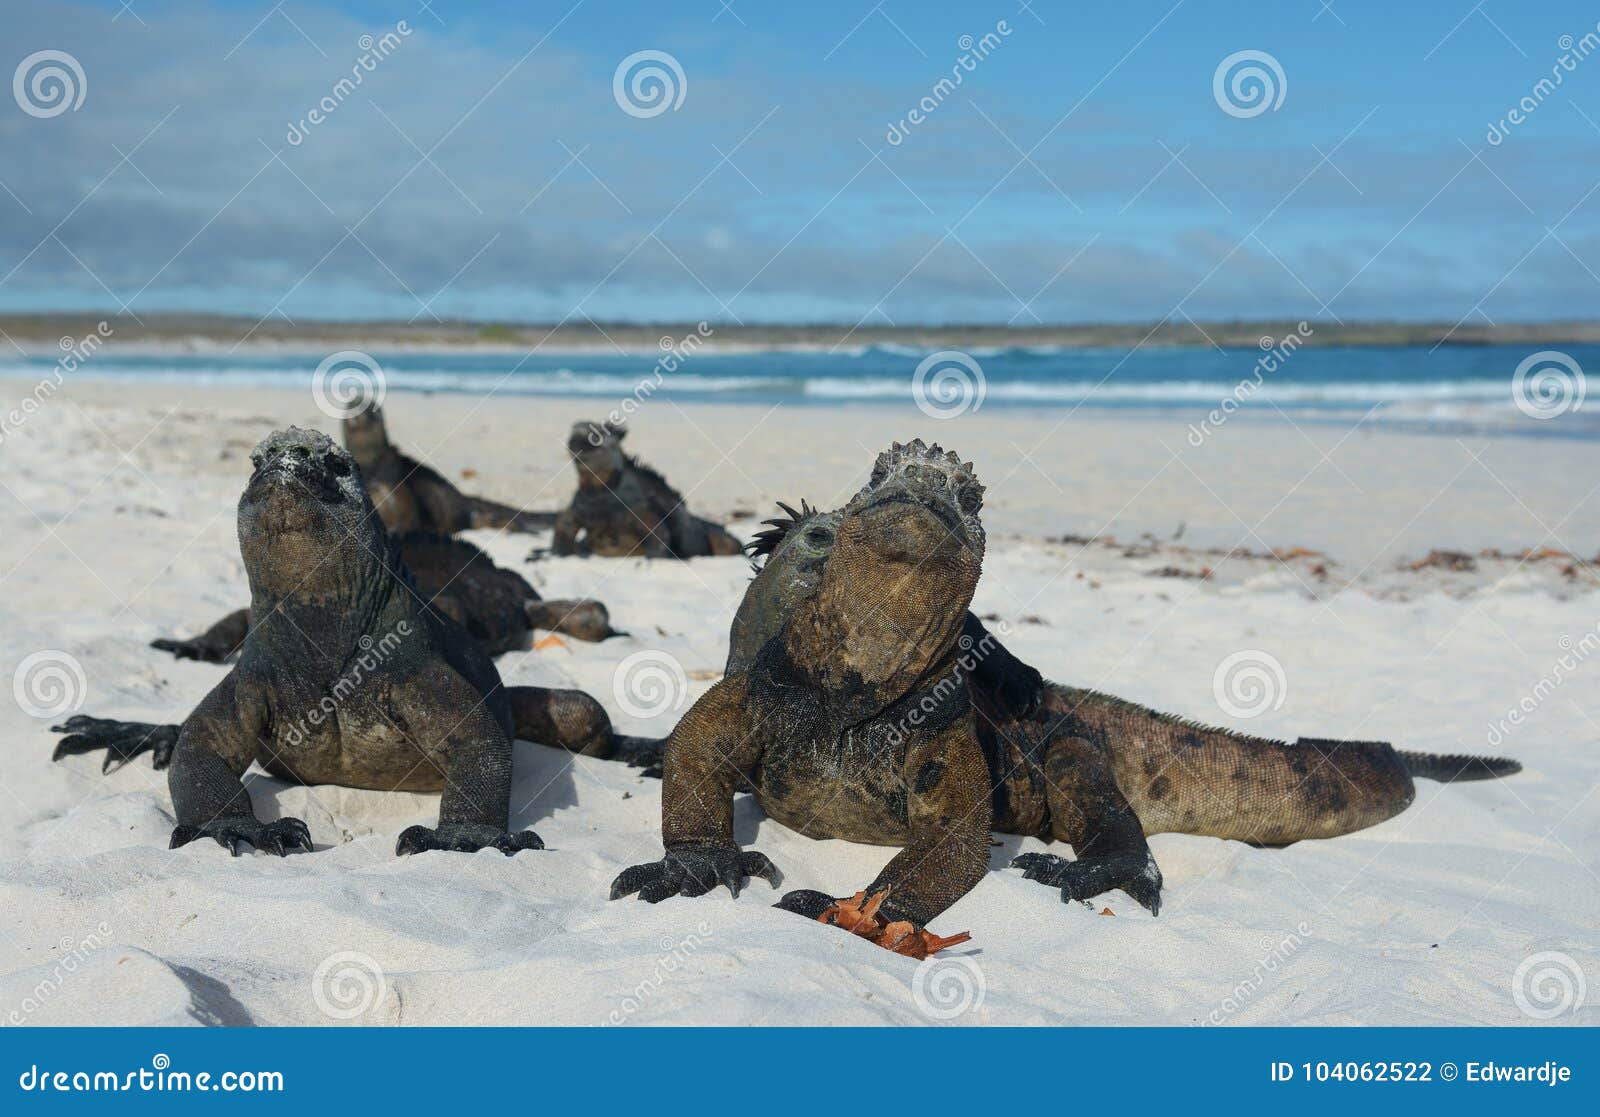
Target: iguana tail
x,y
1454,768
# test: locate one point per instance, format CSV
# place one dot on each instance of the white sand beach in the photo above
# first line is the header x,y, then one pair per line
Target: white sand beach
x,y
1477,905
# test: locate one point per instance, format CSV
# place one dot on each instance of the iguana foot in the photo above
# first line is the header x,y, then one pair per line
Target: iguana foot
x,y
644,753
279,836
464,837
197,647
122,740
694,871
1087,877
860,915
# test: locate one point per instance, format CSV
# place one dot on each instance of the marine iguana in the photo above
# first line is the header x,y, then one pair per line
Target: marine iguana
x,y
497,606
347,677
410,496
868,711
623,508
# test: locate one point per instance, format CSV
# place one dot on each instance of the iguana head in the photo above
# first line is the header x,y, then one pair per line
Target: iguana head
x,y
796,549
305,520
364,433
905,562
596,450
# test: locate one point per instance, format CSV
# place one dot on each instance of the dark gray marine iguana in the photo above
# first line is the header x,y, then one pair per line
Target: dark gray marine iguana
x,y
410,496
861,705
348,677
623,508
497,606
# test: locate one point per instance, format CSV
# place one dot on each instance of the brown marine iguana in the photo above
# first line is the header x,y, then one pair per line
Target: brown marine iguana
x,y
623,508
497,606
410,496
867,713
348,677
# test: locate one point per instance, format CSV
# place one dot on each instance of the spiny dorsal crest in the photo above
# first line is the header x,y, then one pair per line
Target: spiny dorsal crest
x,y
766,542
961,475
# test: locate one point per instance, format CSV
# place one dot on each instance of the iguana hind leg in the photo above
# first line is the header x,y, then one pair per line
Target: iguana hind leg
x,y
580,619
1089,811
481,513
122,740
216,644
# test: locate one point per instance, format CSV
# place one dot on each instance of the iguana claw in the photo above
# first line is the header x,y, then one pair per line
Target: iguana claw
x,y
860,916
232,834
462,837
1088,877
693,870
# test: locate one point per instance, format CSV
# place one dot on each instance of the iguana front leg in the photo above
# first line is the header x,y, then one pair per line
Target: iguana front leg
x,y
707,756
215,746
474,754
1089,811
946,784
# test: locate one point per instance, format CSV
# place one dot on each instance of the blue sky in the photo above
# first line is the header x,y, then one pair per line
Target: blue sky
x,y
1082,171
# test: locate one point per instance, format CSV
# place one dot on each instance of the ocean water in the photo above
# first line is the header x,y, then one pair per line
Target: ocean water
x,y
1447,389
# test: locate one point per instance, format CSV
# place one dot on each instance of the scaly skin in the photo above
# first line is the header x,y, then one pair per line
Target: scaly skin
x,y
855,721
497,606
1060,763
348,677
412,497
624,508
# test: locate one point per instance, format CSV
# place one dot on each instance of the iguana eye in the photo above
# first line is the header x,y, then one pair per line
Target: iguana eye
x,y
819,537
970,500
336,465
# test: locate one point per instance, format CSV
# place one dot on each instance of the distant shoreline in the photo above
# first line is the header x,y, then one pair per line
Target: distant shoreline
x,y
39,334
